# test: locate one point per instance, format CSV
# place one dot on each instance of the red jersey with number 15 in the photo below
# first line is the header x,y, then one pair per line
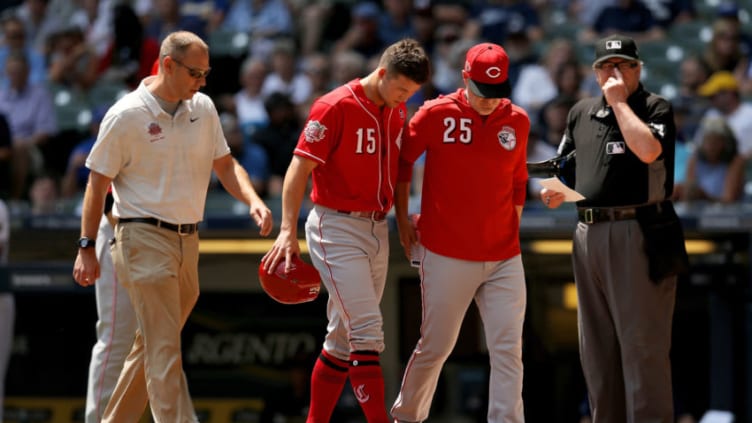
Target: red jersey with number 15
x,y
475,175
356,144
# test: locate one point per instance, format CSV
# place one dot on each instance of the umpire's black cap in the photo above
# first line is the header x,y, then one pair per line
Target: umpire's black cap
x,y
616,46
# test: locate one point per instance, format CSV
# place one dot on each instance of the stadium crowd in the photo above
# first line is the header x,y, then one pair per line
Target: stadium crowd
x,y
63,62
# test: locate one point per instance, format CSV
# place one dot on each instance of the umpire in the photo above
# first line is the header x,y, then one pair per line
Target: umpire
x,y
628,245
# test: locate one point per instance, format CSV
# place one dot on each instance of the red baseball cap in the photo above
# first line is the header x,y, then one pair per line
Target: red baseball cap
x,y
155,67
487,66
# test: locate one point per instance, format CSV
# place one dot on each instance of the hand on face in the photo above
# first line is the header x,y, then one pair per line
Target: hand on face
x,y
614,88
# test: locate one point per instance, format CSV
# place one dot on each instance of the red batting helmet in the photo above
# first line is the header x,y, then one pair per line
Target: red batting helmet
x,y
300,285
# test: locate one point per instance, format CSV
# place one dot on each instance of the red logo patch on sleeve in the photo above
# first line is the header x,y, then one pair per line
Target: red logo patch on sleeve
x,y
314,131
508,138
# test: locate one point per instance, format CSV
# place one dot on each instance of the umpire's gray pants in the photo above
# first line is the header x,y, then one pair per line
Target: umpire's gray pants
x,y
624,324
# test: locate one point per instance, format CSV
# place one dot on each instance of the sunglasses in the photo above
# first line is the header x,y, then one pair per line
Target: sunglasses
x,y
609,66
193,72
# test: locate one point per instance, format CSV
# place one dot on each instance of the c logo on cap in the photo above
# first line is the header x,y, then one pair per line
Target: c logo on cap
x,y
493,72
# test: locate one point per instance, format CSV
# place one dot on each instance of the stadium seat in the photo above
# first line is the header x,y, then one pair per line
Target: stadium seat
x,y
691,29
662,50
585,53
228,43
106,93
691,35
656,67
72,108
706,9
566,29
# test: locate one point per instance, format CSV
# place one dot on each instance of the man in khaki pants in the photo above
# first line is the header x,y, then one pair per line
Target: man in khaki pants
x,y
158,146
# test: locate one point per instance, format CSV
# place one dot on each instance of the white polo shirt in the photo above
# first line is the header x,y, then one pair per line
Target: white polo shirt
x,y
160,164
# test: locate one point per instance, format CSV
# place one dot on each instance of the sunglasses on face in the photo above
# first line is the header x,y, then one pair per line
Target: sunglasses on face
x,y
193,72
609,66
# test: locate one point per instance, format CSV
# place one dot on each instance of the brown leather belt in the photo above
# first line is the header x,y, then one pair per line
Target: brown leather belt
x,y
182,228
377,216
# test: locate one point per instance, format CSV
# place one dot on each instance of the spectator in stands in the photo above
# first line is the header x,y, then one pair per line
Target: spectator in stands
x,y
494,20
537,82
39,22
166,18
278,139
627,17
396,22
684,146
72,62
94,17
456,12
76,173
31,115
318,69
208,15
444,62
722,89
249,154
346,66
424,24
263,20
552,121
131,53
198,16
715,172
667,12
285,76
730,12
14,40
693,72
320,23
724,50
44,195
585,12
248,103
363,35
522,53
569,79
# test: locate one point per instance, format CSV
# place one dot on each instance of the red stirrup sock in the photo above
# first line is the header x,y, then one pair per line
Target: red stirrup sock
x,y
327,380
368,384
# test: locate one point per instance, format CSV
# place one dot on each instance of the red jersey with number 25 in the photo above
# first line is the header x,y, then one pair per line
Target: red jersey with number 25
x,y
356,144
475,174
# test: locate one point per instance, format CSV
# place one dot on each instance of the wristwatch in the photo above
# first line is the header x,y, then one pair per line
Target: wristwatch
x,y
85,242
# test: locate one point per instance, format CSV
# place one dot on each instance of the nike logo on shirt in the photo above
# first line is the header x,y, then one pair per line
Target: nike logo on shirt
x,y
193,119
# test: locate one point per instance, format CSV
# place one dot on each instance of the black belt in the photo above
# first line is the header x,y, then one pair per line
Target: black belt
x,y
606,214
182,228
377,216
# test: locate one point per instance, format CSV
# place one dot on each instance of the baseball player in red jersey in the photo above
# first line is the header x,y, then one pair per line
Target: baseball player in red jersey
x,y
351,146
467,240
